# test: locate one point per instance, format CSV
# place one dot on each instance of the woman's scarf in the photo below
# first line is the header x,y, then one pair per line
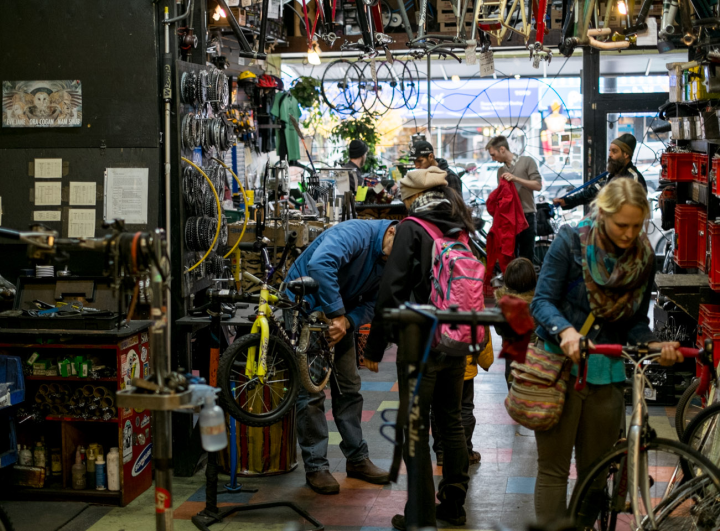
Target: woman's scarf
x,y
615,283
428,201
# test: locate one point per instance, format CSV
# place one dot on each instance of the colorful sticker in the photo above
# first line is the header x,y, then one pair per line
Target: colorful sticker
x,y
129,342
143,354
144,337
146,370
145,421
132,367
142,461
137,422
127,442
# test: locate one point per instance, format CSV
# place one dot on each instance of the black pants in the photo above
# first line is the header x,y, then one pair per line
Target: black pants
x,y
441,387
468,419
525,241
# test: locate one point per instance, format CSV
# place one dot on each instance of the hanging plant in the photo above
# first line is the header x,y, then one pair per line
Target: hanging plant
x,y
306,90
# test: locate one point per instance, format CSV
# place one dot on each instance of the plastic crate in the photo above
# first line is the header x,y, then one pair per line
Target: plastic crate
x,y
709,313
9,453
700,168
701,259
664,166
714,252
680,166
12,382
686,232
714,178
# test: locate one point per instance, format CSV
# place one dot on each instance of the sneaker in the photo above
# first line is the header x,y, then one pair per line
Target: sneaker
x,y
474,457
452,513
398,522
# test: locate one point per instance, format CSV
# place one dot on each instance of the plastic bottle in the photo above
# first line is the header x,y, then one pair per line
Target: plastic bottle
x,y
90,467
25,456
212,426
56,462
113,469
39,455
100,473
79,480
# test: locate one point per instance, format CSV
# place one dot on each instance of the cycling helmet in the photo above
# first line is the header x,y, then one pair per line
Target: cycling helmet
x,y
247,77
267,81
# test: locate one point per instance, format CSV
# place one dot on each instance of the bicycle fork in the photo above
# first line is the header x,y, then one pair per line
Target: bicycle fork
x,y
638,474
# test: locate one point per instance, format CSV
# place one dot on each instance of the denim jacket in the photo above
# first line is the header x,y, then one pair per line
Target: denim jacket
x,y
561,301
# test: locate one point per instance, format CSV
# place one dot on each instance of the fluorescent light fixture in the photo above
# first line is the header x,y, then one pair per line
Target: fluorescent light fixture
x,y
622,7
647,70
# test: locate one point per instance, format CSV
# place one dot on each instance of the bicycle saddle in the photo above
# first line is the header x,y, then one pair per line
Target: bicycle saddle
x,y
303,286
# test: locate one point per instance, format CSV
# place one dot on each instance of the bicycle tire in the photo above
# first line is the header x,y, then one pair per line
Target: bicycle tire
x,y
307,365
686,401
278,353
691,459
696,439
5,523
339,104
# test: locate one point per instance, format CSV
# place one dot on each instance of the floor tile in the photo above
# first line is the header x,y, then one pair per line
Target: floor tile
x,y
520,485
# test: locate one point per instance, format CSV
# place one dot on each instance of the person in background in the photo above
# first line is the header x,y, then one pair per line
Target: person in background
x,y
408,277
519,280
619,165
603,269
424,156
347,261
357,152
523,172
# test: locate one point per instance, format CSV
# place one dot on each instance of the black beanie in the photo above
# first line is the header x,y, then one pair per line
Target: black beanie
x,y
626,142
357,149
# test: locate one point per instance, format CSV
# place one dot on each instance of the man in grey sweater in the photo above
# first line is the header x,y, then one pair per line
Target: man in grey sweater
x,y
523,172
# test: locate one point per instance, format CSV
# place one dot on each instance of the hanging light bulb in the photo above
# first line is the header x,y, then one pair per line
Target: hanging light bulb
x,y
622,7
314,54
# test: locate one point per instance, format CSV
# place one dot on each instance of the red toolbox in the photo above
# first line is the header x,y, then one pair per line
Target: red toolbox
x,y
715,176
709,315
701,259
714,251
686,234
684,167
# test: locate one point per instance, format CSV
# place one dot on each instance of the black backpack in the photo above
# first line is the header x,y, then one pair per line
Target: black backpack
x,y
542,218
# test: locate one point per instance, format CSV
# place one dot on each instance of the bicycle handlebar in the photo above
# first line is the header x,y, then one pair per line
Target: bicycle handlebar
x,y
617,350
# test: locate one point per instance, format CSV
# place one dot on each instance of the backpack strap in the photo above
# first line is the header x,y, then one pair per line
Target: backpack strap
x,y
430,228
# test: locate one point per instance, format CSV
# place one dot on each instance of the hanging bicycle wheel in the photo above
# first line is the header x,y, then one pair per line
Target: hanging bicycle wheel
x,y
252,400
409,80
355,85
333,87
601,499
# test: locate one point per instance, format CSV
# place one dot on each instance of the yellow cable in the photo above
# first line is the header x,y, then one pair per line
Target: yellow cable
x,y
245,202
217,200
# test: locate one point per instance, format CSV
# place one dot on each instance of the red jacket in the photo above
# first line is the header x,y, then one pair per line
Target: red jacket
x,y
504,205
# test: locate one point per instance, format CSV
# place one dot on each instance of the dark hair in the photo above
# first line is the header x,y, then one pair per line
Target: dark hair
x,y
520,275
458,208
498,142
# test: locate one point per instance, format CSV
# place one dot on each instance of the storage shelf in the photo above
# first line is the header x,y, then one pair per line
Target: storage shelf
x,y
70,379
89,346
75,419
59,493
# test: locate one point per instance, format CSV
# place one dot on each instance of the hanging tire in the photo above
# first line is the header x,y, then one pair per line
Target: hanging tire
x,y
253,402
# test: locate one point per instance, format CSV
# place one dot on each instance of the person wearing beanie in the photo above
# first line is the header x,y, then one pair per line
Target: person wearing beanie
x,y
423,156
407,277
357,152
619,165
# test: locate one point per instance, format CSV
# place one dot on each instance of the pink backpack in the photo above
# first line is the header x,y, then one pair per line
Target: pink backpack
x,y
457,280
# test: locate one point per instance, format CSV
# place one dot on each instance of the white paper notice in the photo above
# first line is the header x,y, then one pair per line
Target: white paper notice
x,y
47,215
82,193
81,223
47,193
48,168
274,9
487,64
126,195
649,36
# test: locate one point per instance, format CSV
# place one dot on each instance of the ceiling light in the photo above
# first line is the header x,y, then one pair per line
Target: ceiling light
x,y
314,54
517,76
456,78
622,7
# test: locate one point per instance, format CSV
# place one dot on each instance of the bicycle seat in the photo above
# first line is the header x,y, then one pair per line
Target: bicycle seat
x,y
303,286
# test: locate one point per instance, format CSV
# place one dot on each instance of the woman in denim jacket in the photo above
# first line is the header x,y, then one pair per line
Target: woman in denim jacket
x,y
605,264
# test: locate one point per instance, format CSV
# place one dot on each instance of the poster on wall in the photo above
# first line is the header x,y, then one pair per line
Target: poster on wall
x,y
42,104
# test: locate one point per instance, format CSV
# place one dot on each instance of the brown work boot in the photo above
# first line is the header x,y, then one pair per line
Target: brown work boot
x,y
322,482
367,471
474,457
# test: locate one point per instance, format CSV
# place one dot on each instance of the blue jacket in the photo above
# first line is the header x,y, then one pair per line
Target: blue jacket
x,y
561,301
347,262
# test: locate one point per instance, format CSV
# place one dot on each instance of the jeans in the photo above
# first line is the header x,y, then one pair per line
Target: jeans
x,y
468,419
347,410
441,387
590,422
525,241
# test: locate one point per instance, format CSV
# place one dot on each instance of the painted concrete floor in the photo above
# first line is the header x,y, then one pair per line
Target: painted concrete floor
x,y
501,487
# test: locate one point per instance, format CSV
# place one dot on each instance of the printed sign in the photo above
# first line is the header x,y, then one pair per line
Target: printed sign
x,y
142,461
42,104
487,63
127,442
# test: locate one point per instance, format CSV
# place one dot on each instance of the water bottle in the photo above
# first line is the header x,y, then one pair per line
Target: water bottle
x,y
100,473
212,426
90,453
113,469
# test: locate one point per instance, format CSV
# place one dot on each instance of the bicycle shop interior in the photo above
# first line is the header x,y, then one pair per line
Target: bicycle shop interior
x,y
194,283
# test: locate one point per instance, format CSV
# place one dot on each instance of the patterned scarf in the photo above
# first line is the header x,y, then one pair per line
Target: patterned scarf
x,y
615,284
428,201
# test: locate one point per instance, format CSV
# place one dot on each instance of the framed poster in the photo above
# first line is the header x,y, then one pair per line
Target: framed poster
x,y
42,104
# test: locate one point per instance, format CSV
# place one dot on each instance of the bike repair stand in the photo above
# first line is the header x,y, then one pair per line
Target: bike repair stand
x,y
212,514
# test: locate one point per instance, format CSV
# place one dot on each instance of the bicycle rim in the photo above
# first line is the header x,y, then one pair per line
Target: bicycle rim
x,y
248,399
603,489
703,433
689,406
334,96
693,507
314,362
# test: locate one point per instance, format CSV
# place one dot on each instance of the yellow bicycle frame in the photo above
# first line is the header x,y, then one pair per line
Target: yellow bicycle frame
x,y
258,367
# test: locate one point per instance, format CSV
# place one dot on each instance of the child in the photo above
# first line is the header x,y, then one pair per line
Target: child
x,y
519,281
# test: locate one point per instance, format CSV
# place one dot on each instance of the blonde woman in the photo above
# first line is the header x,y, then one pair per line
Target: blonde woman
x,y
606,266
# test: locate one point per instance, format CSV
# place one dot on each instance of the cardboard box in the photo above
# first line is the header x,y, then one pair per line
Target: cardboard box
x,y
449,16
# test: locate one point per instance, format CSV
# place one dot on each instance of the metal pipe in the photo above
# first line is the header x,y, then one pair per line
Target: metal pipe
x,y
167,96
181,17
428,95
